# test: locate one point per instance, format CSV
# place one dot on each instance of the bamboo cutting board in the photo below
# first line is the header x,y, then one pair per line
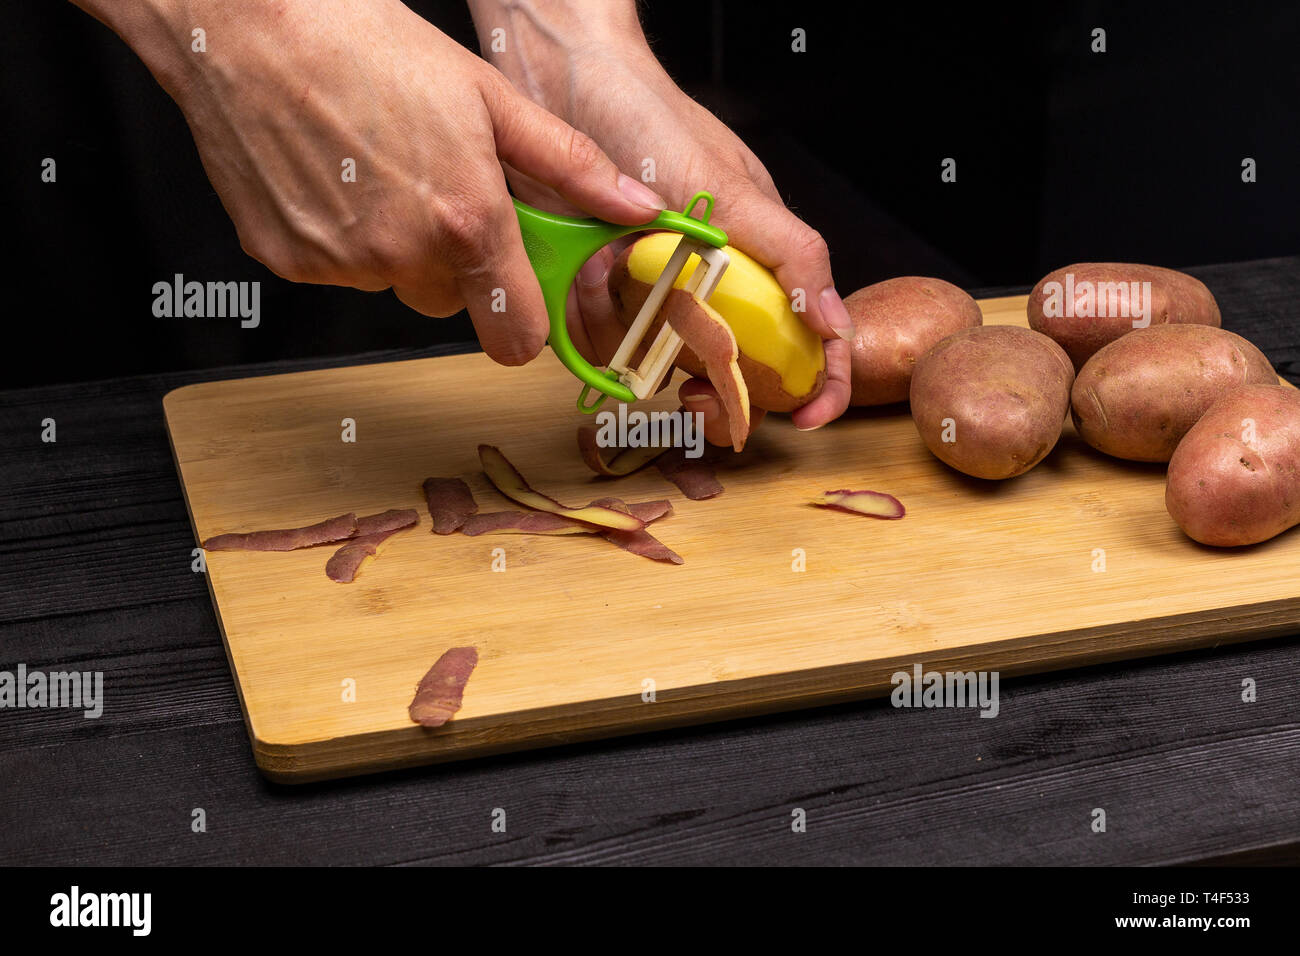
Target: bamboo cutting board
x,y
574,634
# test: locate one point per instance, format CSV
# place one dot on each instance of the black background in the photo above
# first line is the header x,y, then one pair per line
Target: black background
x,y
1063,155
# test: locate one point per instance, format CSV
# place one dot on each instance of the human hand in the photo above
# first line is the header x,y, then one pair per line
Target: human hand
x,y
287,96
589,63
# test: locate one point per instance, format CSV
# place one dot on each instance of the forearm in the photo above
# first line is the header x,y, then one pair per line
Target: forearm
x,y
545,46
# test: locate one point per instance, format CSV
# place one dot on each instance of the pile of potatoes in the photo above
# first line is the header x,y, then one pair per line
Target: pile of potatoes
x,y
1151,378
1148,375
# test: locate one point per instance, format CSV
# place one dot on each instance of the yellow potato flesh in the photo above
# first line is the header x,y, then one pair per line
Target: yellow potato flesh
x,y
753,304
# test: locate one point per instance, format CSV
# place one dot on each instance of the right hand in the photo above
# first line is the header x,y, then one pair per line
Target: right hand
x,y
287,92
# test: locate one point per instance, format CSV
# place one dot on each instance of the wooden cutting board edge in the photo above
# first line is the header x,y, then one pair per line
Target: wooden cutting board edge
x,y
212,594
769,694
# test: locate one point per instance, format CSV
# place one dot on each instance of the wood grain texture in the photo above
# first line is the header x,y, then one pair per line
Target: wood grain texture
x,y
989,576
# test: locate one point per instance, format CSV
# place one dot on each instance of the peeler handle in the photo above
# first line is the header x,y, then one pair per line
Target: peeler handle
x,y
557,247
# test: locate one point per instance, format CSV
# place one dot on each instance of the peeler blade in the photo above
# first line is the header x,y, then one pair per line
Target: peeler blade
x,y
645,379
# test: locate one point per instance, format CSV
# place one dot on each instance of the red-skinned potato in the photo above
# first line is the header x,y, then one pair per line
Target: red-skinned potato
x,y
897,321
1088,305
1235,478
1139,395
991,401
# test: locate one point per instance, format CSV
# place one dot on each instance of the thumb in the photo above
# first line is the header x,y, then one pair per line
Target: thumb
x,y
593,320
544,147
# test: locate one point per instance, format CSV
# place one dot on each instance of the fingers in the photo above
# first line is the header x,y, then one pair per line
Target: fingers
x,y
573,320
594,324
834,397
480,249
502,296
594,314
538,195
697,395
544,147
587,300
596,333
428,295
798,256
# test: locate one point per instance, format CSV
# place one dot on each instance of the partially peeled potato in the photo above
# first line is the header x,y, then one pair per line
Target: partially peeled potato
x,y
782,360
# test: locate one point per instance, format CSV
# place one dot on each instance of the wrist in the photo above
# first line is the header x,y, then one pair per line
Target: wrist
x,y
553,50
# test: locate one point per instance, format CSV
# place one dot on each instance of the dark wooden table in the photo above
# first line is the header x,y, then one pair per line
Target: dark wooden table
x,y
96,556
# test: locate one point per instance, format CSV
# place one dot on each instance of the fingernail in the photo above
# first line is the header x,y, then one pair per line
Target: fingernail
x,y
836,316
810,428
593,271
704,404
640,193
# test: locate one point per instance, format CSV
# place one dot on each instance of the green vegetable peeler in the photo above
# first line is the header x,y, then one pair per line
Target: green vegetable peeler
x,y
558,246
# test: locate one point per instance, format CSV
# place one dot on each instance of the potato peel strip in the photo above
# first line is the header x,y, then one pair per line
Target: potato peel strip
x,y
641,543
450,502
623,462
707,334
511,483
873,504
442,689
286,539
544,522
693,477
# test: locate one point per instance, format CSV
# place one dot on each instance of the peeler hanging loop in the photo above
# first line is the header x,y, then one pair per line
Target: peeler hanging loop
x,y
587,408
708,205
